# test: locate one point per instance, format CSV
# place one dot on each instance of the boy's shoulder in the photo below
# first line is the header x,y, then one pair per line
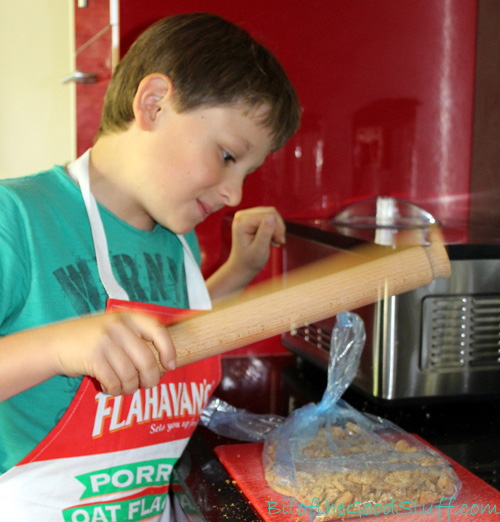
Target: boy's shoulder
x,y
51,181
41,177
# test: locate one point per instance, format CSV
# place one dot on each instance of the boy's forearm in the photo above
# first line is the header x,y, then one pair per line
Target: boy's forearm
x,y
120,350
227,280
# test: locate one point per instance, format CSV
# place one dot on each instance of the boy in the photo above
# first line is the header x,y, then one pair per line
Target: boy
x,y
193,108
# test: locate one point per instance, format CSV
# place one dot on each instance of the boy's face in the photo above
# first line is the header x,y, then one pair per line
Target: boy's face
x,y
194,163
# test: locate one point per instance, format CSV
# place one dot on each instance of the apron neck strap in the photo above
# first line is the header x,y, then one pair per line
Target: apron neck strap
x,y
198,295
199,298
79,172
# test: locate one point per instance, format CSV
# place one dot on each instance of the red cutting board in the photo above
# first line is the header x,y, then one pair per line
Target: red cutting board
x,y
244,463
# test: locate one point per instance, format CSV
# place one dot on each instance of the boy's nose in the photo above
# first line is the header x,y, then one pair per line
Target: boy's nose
x,y
232,192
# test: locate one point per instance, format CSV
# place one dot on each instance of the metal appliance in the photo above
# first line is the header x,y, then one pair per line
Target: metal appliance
x,y
441,340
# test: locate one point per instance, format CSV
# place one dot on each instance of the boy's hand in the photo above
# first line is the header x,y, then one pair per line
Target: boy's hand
x,y
113,348
254,231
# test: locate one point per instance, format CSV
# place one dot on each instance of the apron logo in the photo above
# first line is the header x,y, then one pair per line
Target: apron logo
x,y
151,477
161,402
126,478
132,510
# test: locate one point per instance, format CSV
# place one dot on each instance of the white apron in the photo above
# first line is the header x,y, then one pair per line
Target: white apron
x,y
110,458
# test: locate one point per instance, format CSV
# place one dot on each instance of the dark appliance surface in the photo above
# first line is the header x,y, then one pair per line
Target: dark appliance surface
x,y
440,340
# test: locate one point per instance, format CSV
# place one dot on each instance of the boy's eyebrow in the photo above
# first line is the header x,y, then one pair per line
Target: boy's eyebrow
x,y
246,144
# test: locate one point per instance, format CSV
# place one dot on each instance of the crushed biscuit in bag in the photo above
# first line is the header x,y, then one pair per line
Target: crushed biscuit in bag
x,y
347,461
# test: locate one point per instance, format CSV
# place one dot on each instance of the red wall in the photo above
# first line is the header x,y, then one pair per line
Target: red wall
x,y
387,94
92,55
386,89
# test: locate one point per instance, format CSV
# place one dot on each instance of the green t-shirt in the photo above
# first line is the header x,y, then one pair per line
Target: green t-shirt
x,y
48,273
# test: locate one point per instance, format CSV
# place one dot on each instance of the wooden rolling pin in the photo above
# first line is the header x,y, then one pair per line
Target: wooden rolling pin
x,y
342,283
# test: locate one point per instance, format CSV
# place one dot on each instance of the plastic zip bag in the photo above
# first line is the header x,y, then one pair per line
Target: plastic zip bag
x,y
228,421
342,463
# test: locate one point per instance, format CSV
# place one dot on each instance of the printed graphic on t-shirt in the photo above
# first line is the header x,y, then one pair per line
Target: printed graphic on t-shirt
x,y
151,278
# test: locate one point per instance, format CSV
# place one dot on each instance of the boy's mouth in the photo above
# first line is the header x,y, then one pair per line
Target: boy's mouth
x,y
205,210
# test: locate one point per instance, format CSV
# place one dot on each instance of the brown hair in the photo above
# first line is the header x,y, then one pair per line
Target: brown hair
x,y
211,62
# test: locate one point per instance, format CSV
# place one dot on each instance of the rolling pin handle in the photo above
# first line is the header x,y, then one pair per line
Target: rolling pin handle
x,y
438,260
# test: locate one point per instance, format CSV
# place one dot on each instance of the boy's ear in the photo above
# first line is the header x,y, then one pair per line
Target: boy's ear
x,y
154,91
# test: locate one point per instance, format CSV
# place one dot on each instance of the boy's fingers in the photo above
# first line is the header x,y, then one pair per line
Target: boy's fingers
x,y
141,355
251,222
160,343
164,350
247,226
271,230
125,369
110,383
278,237
156,355
266,231
279,228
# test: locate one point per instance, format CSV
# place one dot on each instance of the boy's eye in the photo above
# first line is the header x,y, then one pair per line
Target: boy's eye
x,y
227,157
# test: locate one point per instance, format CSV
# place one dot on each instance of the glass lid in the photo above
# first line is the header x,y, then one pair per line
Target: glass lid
x,y
383,220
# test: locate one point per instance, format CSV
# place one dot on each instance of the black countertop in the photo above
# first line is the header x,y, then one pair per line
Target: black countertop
x,y
466,431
